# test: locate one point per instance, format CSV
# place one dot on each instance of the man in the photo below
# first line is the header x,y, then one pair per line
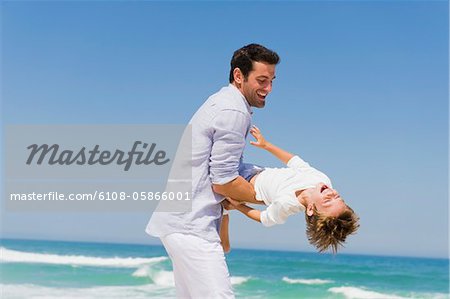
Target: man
x,y
219,129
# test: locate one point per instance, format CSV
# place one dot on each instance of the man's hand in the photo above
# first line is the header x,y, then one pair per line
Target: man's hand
x,y
230,204
234,202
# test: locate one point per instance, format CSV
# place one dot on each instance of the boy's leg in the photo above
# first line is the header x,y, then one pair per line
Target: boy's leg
x,y
200,269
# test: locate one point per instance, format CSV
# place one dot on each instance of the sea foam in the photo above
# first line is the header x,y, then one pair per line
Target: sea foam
x,y
359,293
237,280
306,281
159,277
165,278
8,255
31,291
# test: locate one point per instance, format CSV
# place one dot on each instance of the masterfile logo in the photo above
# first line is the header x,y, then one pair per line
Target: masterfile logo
x,y
54,155
98,167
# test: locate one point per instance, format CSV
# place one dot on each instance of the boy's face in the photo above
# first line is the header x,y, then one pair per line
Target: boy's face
x,y
327,201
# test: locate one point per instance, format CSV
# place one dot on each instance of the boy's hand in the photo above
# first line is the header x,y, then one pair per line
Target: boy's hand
x,y
260,140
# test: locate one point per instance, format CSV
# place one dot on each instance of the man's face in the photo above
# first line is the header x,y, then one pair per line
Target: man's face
x,y
258,84
328,202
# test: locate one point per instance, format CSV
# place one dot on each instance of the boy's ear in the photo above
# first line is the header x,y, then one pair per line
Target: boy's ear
x,y
310,209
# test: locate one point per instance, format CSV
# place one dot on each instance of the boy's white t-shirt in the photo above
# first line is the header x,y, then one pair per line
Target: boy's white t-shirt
x,y
277,187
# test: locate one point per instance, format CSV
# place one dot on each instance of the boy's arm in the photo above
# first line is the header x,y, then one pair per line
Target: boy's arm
x,y
251,213
224,236
276,213
261,142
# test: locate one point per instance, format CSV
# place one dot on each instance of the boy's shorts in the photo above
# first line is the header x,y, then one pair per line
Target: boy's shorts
x,y
247,170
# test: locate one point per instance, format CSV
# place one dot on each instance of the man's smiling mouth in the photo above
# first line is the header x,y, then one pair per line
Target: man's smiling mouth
x,y
262,95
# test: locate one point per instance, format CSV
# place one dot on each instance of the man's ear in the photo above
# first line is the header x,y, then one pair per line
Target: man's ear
x,y
310,209
238,76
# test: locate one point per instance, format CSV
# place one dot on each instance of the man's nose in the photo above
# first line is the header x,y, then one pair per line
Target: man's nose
x,y
268,87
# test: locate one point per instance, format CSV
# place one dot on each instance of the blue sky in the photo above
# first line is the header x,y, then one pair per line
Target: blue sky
x,y
361,93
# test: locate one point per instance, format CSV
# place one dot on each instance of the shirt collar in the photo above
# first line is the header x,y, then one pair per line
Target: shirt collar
x,y
249,108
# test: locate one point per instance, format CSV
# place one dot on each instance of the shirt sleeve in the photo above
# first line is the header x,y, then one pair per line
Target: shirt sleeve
x,y
229,131
298,164
276,213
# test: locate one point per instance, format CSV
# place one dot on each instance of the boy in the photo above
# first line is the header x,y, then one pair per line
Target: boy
x,y
291,190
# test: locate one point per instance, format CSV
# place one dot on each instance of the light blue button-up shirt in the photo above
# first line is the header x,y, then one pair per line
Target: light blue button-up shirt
x,y
219,129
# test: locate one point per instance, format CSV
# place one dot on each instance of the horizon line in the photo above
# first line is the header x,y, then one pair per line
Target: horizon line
x,y
236,248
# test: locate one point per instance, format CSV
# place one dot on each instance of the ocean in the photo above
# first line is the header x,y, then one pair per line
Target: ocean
x,y
50,269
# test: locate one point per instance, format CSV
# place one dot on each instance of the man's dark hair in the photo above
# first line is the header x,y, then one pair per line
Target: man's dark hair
x,y
243,58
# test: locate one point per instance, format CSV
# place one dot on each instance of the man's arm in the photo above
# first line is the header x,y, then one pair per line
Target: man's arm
x,y
261,142
229,128
239,189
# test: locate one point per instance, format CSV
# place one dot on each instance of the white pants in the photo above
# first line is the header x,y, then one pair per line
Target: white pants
x,y
199,267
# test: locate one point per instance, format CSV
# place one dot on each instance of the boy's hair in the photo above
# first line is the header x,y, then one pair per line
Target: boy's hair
x,y
243,58
325,231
